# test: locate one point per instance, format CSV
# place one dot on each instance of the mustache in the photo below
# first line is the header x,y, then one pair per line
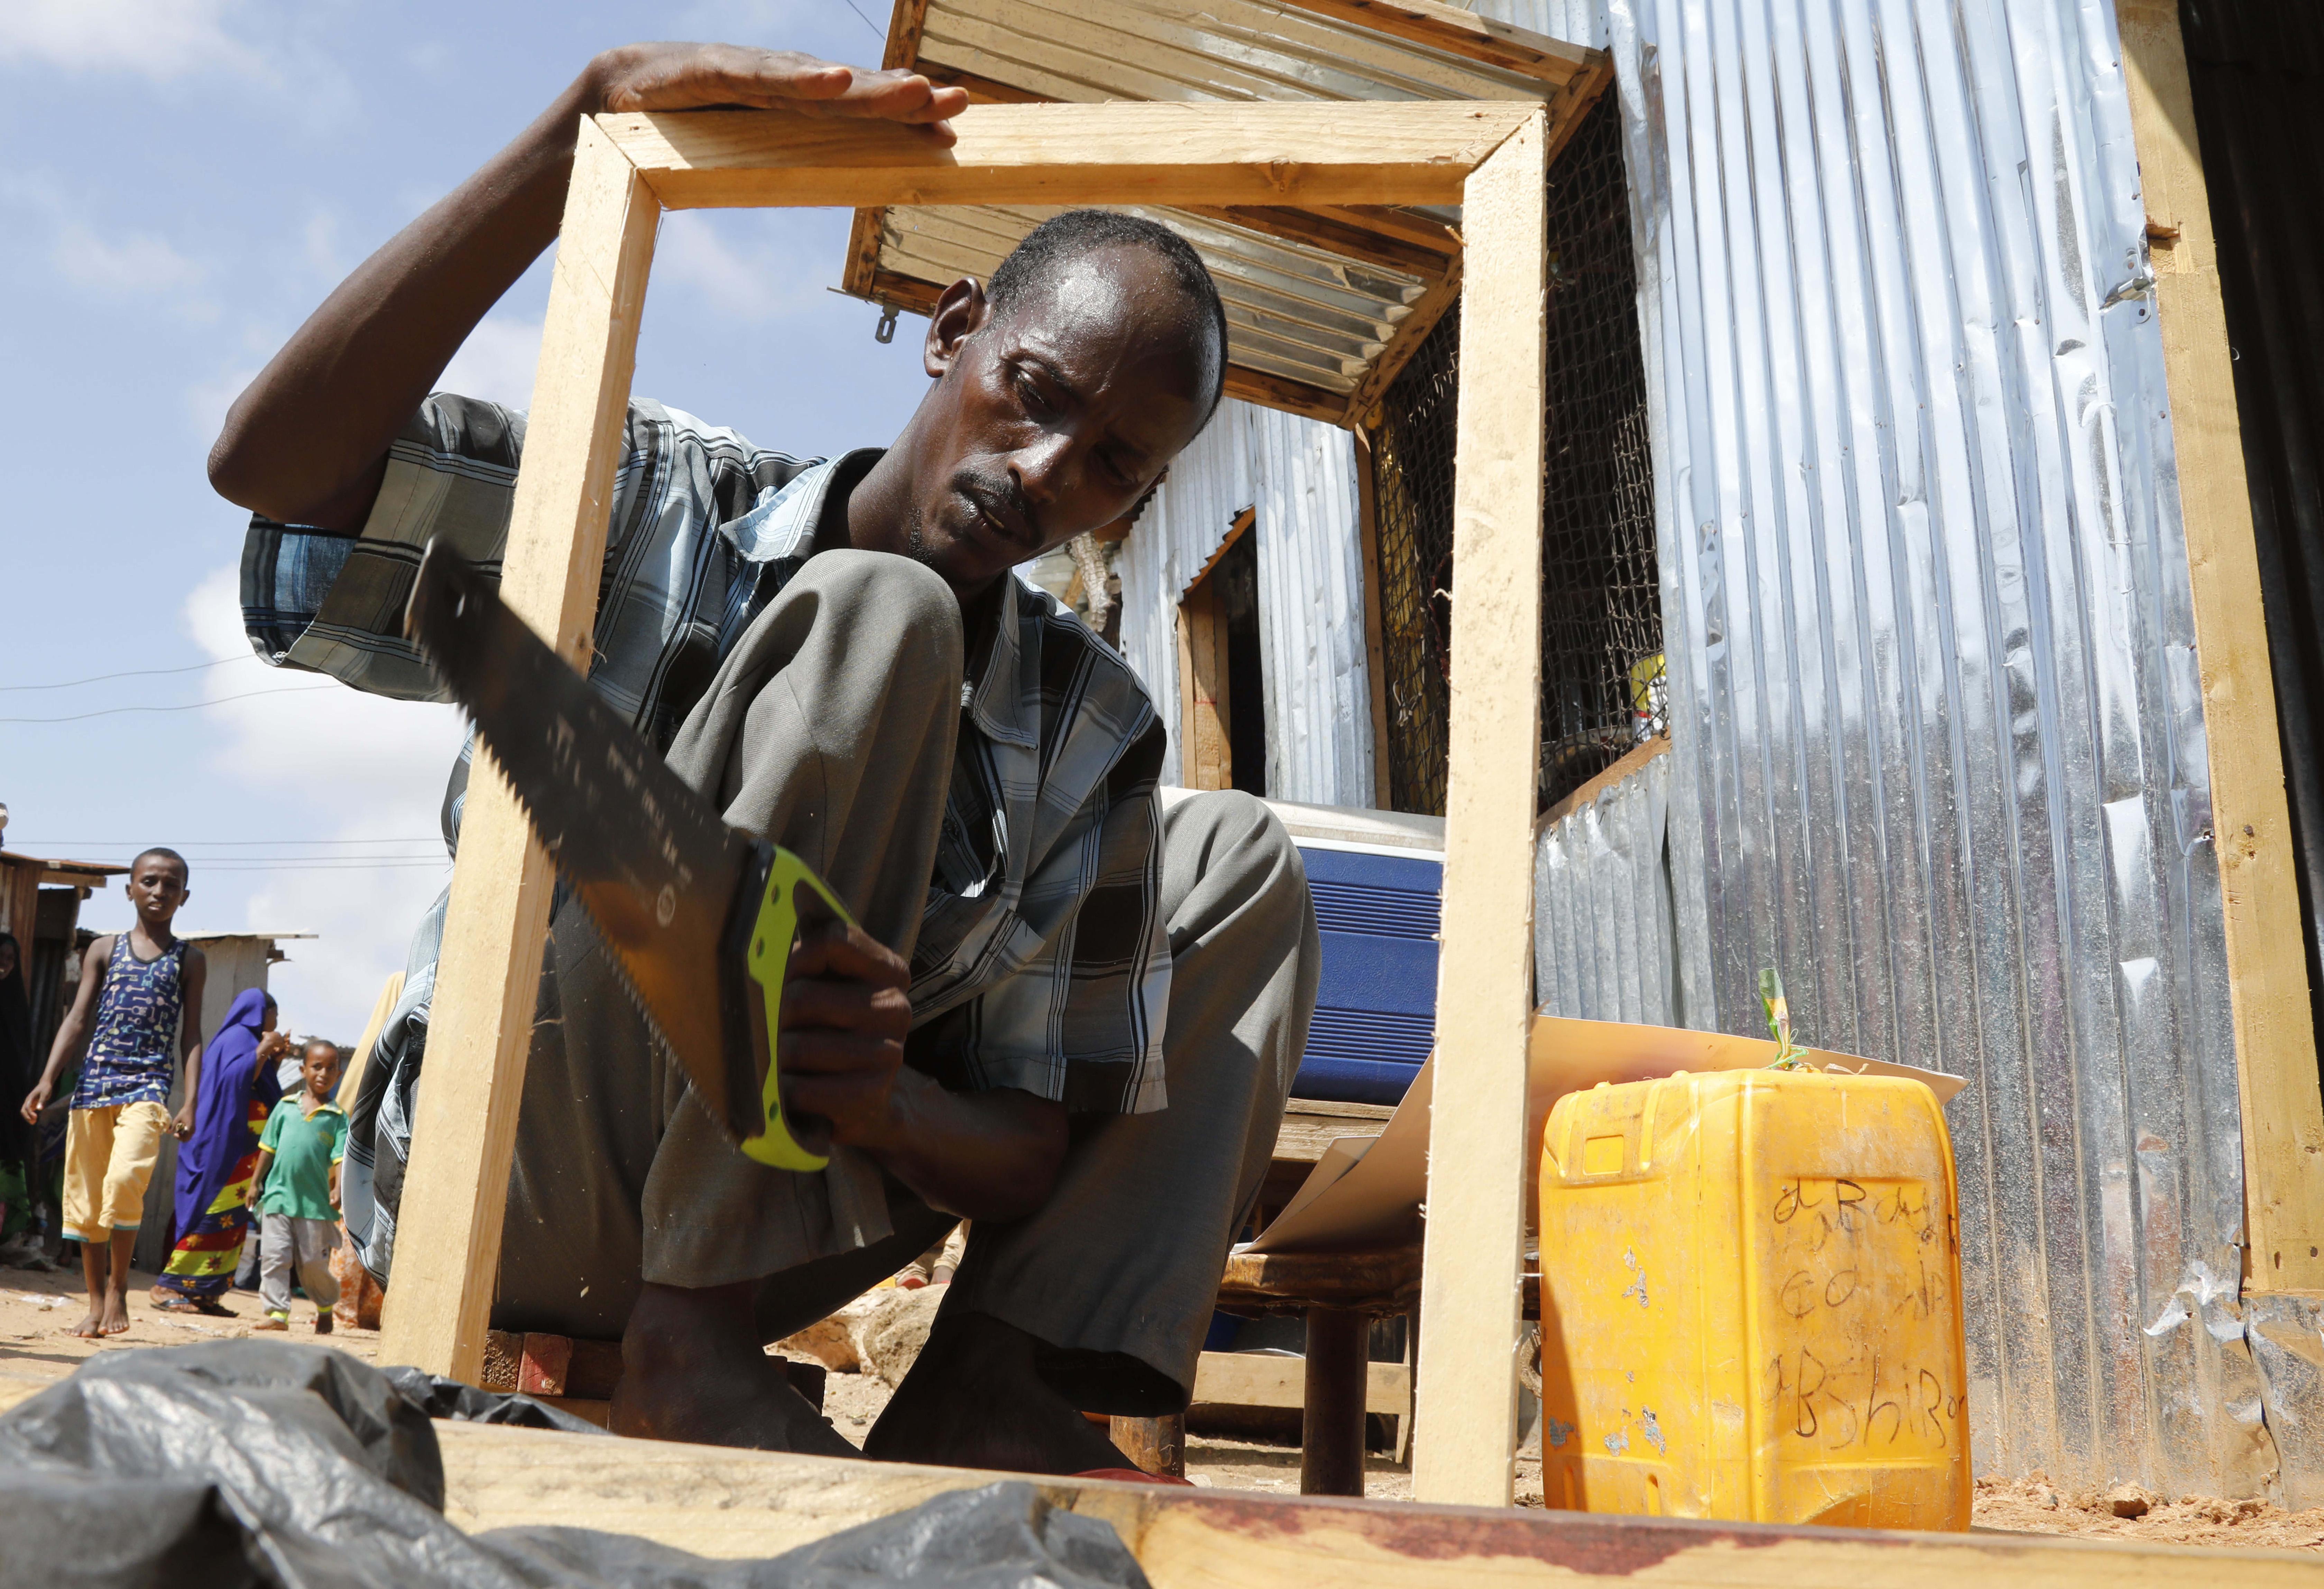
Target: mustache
x,y
997,493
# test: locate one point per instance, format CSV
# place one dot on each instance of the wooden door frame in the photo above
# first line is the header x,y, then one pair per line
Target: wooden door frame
x,y
1487,157
1206,720
2276,1081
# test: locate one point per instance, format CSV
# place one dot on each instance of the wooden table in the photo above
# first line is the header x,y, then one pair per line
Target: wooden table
x,y
1339,1294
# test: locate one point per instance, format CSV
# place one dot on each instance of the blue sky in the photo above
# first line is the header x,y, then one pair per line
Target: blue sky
x,y
187,179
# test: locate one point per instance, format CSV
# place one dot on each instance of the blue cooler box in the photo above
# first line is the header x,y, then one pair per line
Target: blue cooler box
x,y
1376,1009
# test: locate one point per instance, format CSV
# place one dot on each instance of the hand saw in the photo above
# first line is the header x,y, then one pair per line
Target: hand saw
x,y
700,916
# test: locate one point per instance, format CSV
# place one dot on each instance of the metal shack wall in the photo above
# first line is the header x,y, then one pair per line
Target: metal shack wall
x,y
1938,743
1298,478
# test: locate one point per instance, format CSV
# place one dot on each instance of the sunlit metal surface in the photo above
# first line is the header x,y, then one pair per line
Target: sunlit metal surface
x,y
1939,744
1090,50
1297,476
1601,913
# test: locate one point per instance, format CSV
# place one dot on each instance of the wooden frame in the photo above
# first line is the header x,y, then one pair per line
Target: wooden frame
x,y
1205,710
626,170
2267,967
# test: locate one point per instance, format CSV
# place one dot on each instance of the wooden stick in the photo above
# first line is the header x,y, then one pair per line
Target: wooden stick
x,y
1332,1427
1375,648
488,977
1467,1394
1278,153
2267,965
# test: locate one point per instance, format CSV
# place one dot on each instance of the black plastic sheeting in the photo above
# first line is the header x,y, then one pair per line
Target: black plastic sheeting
x,y
2257,70
237,1462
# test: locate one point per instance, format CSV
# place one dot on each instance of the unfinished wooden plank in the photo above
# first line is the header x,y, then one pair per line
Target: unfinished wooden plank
x,y
1306,1131
448,1238
2267,967
1375,642
1463,33
1254,1379
728,1504
1415,153
1477,1172
1206,755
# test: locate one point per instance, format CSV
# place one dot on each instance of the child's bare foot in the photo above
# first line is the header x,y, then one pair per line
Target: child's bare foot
x,y
91,1328
115,1320
322,1323
273,1321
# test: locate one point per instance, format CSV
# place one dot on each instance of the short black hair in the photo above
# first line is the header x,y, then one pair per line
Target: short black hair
x,y
311,1044
167,854
1065,237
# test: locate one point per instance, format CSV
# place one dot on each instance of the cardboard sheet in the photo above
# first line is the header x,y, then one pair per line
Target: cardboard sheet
x,y
1367,1192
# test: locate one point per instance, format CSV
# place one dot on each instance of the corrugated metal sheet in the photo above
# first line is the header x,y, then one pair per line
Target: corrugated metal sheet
x,y
1603,947
1938,746
1298,478
1238,49
1292,311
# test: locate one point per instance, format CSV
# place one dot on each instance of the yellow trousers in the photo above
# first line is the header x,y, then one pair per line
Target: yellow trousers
x,y
109,1153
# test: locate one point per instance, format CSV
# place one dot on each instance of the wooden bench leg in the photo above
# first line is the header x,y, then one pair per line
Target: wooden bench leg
x,y
1156,1444
1332,1433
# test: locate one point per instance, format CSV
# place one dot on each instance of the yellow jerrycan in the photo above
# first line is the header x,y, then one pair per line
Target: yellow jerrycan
x,y
1752,1302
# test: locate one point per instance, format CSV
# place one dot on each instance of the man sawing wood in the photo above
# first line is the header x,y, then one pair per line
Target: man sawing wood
x,y
1060,1013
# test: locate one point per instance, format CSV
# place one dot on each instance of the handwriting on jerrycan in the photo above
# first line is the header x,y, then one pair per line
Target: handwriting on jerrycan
x,y
1861,1275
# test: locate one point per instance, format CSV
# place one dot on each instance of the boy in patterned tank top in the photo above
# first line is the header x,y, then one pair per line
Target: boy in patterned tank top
x,y
140,998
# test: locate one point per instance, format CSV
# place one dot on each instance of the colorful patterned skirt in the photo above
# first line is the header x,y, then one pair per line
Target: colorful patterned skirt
x,y
201,1266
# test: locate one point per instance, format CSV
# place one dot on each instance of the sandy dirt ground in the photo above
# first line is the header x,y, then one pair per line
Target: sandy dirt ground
x,y
39,1310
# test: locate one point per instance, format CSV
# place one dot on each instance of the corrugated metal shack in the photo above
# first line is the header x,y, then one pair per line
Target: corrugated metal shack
x,y
1954,674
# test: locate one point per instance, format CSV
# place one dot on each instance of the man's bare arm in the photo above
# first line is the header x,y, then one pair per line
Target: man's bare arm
x,y
72,1033
308,442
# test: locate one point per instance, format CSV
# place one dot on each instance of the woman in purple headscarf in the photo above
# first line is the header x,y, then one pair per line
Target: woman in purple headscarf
x,y
215,1165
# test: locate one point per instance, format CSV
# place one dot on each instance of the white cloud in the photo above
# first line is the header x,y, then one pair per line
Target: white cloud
x,y
753,279
139,263
362,768
159,40
497,362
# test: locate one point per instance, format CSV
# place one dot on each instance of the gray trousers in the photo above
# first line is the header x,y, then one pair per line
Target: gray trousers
x,y
830,731
285,1242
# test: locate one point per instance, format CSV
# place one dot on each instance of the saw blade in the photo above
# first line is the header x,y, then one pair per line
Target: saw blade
x,y
657,869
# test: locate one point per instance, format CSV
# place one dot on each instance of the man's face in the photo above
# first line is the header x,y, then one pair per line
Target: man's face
x,y
1054,416
156,889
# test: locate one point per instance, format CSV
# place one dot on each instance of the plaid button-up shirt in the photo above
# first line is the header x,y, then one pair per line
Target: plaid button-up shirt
x,y
1043,962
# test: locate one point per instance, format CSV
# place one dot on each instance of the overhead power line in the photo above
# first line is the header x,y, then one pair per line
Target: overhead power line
x,y
187,706
132,673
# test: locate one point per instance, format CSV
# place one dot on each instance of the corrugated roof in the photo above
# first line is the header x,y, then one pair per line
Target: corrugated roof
x,y
1322,305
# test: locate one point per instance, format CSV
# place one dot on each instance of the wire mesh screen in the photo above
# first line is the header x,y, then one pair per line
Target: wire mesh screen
x,y
1602,610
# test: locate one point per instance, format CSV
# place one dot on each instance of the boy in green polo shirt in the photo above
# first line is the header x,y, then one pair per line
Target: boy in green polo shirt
x,y
298,1197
